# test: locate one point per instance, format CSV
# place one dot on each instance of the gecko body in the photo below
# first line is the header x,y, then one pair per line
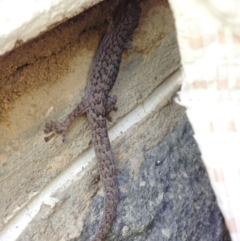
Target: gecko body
x,y
97,104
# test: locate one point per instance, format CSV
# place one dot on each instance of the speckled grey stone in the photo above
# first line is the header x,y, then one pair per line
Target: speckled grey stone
x,y
170,199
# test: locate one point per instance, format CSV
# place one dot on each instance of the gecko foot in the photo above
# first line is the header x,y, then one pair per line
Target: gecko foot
x,y
55,127
61,127
110,106
128,44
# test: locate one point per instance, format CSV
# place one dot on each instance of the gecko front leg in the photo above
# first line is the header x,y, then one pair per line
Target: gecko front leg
x,y
57,127
110,105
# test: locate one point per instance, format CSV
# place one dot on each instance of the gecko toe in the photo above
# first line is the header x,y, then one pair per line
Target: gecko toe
x,y
49,127
48,138
109,118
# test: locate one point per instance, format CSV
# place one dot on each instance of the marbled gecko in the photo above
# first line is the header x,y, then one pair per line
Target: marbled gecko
x,y
97,104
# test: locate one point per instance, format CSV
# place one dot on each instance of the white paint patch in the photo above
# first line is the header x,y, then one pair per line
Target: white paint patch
x,y
23,20
159,97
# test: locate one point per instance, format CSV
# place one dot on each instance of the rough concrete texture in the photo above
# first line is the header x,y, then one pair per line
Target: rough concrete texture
x,y
164,193
53,81
43,80
166,196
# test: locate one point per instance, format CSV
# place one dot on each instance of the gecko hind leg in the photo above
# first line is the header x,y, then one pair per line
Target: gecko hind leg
x,y
58,127
128,44
110,105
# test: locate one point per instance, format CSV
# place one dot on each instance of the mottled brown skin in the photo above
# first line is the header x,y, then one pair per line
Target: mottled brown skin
x,y
97,104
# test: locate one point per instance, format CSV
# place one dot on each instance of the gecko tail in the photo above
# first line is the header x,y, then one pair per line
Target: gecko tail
x,y
109,212
106,169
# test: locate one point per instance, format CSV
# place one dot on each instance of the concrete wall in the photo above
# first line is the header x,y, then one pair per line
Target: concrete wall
x,y
47,188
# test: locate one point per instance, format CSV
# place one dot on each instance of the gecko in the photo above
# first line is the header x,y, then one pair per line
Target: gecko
x,y
97,104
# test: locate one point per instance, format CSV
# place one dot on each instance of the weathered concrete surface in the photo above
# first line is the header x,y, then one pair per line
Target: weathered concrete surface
x,y
166,196
45,79
164,193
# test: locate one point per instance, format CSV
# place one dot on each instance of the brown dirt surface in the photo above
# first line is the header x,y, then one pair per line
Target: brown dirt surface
x,y
42,60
